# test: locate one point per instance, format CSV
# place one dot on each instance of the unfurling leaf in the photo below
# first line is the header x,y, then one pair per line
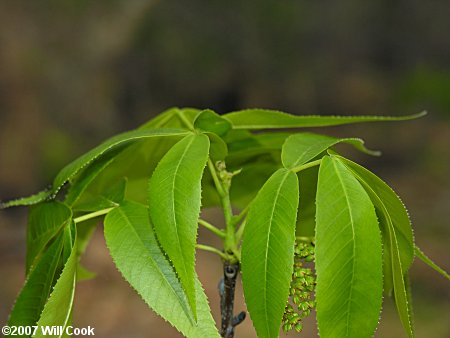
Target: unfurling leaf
x,y
268,251
174,205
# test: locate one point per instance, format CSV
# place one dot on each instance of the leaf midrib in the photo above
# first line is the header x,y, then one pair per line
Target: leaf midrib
x,y
392,236
154,263
116,141
174,218
267,248
353,247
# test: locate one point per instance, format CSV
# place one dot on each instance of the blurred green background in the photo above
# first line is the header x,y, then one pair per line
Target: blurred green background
x,y
73,73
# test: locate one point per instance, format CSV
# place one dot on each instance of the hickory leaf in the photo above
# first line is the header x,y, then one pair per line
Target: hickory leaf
x,y
270,119
136,253
399,286
347,255
398,238
58,308
34,294
44,222
393,214
174,205
302,147
73,168
85,178
268,251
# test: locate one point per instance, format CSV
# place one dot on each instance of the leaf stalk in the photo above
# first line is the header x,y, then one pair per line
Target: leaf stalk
x,y
212,228
92,215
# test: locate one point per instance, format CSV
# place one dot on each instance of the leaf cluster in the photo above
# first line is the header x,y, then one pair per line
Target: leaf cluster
x,y
148,186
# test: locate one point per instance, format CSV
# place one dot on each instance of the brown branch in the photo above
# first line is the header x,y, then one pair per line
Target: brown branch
x,y
227,287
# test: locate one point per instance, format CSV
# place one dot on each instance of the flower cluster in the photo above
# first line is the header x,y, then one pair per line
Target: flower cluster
x,y
300,302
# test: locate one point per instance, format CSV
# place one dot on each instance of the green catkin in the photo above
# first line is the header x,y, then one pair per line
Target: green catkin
x,y
300,302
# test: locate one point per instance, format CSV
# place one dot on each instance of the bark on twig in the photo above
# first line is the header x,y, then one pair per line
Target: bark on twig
x,y
227,287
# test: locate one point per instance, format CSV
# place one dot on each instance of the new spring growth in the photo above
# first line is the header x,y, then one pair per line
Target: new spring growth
x,y
224,175
300,302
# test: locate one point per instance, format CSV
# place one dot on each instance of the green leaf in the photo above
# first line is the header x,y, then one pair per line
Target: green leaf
x,y
306,217
397,237
174,205
268,119
44,222
398,275
85,230
419,254
164,119
347,255
136,253
108,198
119,140
72,169
246,185
268,251
170,119
58,308
85,178
84,274
218,148
300,148
392,214
34,294
29,200
136,163
209,121
251,147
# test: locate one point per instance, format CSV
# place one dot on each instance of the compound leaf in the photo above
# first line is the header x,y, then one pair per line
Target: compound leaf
x,y
268,251
268,119
58,309
44,222
34,294
302,147
174,205
348,255
136,253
